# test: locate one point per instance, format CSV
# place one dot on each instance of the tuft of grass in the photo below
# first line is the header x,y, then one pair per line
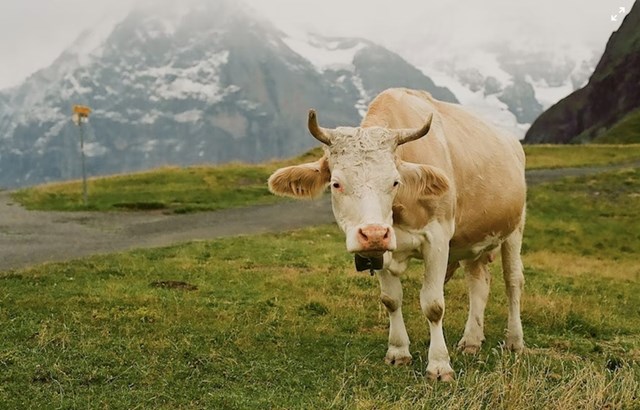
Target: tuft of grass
x,y
284,321
562,156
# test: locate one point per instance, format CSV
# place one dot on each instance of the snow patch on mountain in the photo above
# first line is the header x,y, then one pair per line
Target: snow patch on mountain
x,y
477,61
75,88
486,106
150,117
324,55
95,149
510,84
363,103
190,116
199,81
548,95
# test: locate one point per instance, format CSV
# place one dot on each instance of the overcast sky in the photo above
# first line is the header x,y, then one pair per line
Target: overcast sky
x,y
34,32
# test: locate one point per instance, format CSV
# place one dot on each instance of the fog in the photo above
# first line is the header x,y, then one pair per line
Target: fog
x,y
34,32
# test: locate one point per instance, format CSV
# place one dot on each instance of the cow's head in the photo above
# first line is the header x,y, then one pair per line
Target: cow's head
x,y
365,176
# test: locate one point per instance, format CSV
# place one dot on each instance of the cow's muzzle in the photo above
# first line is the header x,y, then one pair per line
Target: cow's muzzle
x,y
374,240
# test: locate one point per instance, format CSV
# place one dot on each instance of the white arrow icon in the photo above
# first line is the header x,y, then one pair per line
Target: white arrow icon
x,y
614,17
622,10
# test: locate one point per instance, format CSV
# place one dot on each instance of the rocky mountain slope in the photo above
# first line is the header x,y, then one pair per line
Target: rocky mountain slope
x,y
612,93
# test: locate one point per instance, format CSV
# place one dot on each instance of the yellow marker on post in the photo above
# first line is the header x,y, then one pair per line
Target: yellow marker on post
x,y
81,115
82,110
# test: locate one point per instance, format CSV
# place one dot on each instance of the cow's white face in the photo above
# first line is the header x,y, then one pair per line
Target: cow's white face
x,y
364,176
364,182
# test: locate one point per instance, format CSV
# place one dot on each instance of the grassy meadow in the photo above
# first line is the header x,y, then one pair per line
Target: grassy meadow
x,y
284,321
207,188
169,189
562,156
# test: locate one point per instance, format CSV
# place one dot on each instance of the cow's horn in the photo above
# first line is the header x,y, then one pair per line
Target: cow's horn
x,y
318,133
405,136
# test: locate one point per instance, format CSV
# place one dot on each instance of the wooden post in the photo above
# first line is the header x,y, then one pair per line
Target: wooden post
x,y
80,114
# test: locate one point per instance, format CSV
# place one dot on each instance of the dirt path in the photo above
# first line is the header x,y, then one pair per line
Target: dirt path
x,y
31,237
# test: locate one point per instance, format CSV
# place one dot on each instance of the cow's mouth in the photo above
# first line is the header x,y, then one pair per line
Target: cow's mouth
x,y
371,254
368,261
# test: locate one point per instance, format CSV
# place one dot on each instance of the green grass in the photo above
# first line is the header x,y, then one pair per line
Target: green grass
x,y
612,230
284,321
625,131
168,189
177,190
562,156
180,190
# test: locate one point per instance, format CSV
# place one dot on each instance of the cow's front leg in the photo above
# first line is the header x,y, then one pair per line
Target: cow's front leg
x,y
391,297
436,254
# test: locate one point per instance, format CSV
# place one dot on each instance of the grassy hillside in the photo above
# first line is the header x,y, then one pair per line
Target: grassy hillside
x,y
626,131
209,188
284,321
170,189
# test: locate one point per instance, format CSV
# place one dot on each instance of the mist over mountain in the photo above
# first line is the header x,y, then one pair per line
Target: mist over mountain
x,y
510,84
209,82
612,93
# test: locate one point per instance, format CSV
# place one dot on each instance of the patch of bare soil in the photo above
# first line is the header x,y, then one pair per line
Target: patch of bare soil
x,y
173,284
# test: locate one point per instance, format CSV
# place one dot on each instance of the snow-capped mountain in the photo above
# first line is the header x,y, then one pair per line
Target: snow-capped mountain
x,y
201,81
208,83
511,85
356,63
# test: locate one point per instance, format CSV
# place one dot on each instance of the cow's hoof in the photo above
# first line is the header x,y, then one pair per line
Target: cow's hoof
x,y
516,345
442,373
468,348
398,357
398,361
469,344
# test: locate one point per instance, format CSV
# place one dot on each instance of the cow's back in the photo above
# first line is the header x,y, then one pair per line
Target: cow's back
x,y
484,165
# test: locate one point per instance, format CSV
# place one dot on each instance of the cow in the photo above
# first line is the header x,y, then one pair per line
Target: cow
x,y
421,178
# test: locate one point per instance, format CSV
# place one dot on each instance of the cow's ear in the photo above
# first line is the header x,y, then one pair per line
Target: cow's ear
x,y
419,180
304,181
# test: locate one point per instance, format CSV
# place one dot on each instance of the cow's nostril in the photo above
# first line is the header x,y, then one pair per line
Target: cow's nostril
x,y
363,235
386,234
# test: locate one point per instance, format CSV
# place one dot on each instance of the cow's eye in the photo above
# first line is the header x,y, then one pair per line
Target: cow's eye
x,y
336,185
396,183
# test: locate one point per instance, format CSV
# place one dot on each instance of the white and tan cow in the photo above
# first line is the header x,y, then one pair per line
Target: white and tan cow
x,y
423,178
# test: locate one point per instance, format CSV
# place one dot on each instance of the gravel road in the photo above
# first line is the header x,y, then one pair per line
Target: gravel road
x,y
32,237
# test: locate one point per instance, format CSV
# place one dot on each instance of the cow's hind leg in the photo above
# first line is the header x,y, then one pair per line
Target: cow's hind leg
x,y
514,281
478,284
391,297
